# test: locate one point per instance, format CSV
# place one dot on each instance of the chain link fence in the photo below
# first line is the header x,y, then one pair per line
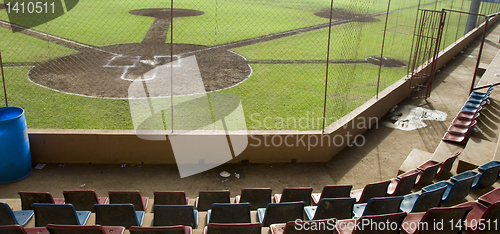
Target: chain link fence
x,y
73,69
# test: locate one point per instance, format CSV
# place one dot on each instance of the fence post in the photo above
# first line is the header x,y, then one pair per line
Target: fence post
x,y
3,79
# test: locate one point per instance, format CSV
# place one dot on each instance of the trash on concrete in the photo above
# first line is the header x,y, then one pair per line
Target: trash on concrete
x,y
237,175
225,174
123,165
40,166
82,185
410,117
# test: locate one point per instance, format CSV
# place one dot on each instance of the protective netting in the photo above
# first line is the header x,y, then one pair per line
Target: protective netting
x,y
89,64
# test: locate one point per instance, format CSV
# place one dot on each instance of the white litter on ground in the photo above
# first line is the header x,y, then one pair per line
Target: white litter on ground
x,y
411,117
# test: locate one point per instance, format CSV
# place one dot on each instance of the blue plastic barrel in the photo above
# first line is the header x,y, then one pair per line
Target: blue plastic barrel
x,y
15,155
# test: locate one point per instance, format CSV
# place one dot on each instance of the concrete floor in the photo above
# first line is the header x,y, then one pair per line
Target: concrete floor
x,y
379,159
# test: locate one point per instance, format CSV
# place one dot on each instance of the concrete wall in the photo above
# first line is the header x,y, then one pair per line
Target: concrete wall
x,y
123,146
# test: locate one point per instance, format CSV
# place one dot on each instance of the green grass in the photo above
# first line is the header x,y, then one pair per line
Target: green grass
x,y
45,108
276,96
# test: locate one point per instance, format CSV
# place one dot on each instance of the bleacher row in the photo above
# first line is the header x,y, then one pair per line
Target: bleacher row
x,y
256,210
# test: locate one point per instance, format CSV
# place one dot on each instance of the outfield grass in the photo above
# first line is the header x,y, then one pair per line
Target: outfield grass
x,y
274,92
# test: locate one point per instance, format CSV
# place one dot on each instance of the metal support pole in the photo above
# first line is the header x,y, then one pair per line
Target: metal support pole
x,y
3,79
479,54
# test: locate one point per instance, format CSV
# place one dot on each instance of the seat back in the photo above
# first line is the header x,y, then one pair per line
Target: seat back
x,y
81,199
378,189
488,176
429,199
427,175
173,215
406,184
158,230
170,198
310,227
492,214
283,212
461,188
297,194
6,215
75,229
339,208
207,198
127,197
247,228
54,214
12,229
490,197
336,191
447,218
230,213
257,197
378,224
28,198
447,165
116,215
383,205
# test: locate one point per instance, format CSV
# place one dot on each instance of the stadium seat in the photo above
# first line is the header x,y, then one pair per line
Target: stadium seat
x,y
445,167
294,195
174,215
471,109
224,228
424,176
18,229
78,229
378,206
205,199
403,184
426,222
421,202
455,138
129,197
257,197
118,215
332,191
488,175
229,213
28,198
304,227
161,230
459,129
378,189
83,199
170,198
490,197
371,224
468,116
64,214
329,208
280,212
481,217
457,188
10,217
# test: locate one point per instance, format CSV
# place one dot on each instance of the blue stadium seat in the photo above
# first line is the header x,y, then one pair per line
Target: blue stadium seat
x,y
18,217
229,213
172,215
280,212
457,188
66,214
329,208
378,206
421,202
